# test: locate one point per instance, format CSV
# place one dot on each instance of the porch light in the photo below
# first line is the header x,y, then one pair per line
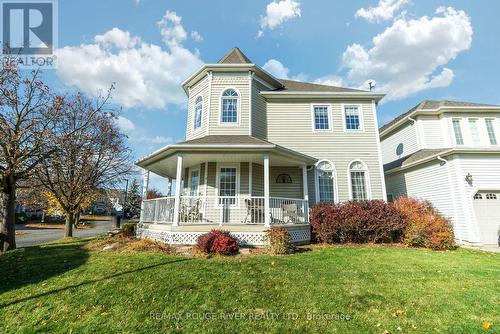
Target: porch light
x,y
468,178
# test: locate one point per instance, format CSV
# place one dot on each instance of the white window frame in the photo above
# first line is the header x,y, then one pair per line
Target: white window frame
x,y
195,128
238,175
480,143
316,181
461,130
367,179
495,133
313,118
191,170
238,105
360,114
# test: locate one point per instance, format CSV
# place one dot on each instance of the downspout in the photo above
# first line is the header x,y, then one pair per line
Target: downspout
x,y
450,184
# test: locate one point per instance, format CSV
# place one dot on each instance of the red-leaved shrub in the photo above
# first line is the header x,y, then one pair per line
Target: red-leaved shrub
x,y
426,227
225,244
217,241
357,221
410,221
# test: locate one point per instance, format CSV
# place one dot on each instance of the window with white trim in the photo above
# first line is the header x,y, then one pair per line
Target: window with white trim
x,y
194,182
351,117
357,171
491,131
474,132
325,179
227,185
198,112
229,106
457,129
321,118
478,196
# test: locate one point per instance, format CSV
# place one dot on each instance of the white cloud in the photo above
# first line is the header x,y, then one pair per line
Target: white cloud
x,y
196,36
276,68
144,74
330,80
171,29
384,10
151,139
408,57
278,13
125,124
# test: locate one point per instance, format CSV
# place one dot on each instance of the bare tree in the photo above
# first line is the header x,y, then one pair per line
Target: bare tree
x,y
92,154
27,114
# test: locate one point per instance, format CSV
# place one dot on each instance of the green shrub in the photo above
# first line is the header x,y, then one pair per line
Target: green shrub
x,y
129,229
277,241
21,217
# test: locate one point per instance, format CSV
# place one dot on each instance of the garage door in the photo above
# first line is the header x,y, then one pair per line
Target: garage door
x,y
487,208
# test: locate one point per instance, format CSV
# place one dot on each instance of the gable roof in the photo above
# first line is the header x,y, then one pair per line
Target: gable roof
x,y
300,86
234,56
416,156
433,105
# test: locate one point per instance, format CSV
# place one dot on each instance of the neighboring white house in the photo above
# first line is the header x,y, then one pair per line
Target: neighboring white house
x,y
259,151
448,153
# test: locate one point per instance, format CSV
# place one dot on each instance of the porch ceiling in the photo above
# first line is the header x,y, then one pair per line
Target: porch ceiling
x,y
164,161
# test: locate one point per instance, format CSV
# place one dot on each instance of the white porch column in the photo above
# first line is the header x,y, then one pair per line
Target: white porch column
x,y
145,185
267,212
306,194
178,186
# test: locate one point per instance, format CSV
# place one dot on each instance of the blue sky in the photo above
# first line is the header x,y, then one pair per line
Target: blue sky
x,y
415,50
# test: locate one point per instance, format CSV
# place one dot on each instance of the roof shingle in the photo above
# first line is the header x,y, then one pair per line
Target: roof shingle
x,y
235,56
299,86
226,140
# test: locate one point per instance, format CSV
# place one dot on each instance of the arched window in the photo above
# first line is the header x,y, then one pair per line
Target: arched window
x,y
357,174
198,112
325,181
229,105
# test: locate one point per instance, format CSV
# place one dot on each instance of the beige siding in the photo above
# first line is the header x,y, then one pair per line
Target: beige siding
x,y
257,180
259,122
288,190
220,82
290,125
400,143
244,178
200,89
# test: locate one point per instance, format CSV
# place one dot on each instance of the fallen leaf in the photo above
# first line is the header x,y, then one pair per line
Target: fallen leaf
x,y
487,325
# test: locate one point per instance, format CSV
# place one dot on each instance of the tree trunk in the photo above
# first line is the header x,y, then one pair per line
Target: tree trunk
x,y
43,216
77,219
8,214
70,220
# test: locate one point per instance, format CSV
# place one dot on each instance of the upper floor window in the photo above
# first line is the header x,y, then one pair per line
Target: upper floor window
x,y
352,118
459,139
325,181
357,174
321,118
229,105
198,112
491,131
474,132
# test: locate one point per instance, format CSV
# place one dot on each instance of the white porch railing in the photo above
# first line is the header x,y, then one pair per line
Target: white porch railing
x,y
216,210
158,210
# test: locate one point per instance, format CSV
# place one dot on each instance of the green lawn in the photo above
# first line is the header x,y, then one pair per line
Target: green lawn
x,y
63,288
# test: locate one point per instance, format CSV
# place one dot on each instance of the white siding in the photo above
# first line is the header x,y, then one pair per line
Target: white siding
x,y
432,131
405,138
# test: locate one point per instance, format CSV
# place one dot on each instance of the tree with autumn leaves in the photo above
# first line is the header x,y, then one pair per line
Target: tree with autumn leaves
x,y
69,145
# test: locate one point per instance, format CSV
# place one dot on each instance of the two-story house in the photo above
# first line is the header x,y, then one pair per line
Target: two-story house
x,y
259,151
448,153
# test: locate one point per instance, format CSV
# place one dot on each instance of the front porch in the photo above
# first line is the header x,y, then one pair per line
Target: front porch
x,y
244,190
